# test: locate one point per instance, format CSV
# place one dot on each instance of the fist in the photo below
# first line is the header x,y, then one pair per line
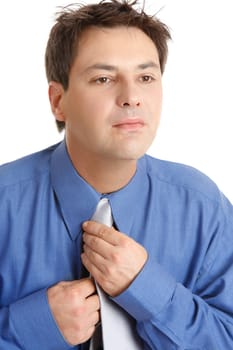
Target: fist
x,y
75,307
111,257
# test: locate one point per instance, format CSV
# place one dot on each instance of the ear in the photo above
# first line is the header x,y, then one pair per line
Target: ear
x,y
56,92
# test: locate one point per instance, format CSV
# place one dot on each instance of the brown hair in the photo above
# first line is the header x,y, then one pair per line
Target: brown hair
x,y
73,20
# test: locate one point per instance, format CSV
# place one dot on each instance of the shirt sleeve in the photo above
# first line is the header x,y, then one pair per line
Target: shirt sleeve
x,y
29,321
171,316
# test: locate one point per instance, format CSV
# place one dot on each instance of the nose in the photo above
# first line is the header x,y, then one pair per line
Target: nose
x,y
128,95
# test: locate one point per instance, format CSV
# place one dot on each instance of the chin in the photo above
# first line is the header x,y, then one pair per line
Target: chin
x,y
132,155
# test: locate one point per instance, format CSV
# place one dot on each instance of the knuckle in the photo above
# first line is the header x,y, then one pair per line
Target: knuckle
x,y
78,327
95,240
73,294
115,258
109,272
59,287
103,231
103,280
78,312
95,300
126,243
60,284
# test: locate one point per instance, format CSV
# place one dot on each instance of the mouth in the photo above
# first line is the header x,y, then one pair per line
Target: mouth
x,y
132,124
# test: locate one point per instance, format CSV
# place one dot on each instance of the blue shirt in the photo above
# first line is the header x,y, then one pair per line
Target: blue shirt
x,y
183,297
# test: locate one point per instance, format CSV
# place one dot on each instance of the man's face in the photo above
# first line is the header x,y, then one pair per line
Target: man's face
x,y
112,105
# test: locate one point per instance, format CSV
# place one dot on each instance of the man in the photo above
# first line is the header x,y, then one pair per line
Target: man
x,y
168,261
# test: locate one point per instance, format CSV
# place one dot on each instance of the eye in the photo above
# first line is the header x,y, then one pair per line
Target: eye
x,y
102,80
147,78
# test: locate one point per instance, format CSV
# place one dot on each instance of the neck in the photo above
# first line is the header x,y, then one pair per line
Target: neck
x,y
104,175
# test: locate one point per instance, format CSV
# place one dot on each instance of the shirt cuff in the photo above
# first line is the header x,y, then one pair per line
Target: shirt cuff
x,y
149,293
34,323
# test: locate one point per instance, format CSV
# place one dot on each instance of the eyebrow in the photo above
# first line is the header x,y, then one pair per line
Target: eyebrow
x,y
150,64
108,67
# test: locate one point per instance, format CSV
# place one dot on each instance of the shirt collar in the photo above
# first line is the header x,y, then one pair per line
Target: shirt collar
x,y
77,199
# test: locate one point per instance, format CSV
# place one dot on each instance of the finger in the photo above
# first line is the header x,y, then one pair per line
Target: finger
x,y
93,322
97,245
88,287
93,303
108,234
84,287
95,318
94,263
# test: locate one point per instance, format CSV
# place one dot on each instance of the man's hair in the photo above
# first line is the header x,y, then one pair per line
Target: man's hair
x,y
73,20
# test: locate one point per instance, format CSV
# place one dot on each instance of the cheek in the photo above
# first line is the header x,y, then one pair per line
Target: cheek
x,y
155,108
158,104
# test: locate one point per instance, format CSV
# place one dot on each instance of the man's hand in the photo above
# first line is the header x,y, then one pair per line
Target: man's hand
x,y
75,307
111,257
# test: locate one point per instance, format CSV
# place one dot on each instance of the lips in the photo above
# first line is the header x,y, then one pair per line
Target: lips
x,y
130,124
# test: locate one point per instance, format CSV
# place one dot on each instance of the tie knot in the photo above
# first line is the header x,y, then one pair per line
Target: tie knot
x,y
103,213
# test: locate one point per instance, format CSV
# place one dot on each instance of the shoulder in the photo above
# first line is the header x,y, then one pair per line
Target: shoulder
x,y
181,176
30,167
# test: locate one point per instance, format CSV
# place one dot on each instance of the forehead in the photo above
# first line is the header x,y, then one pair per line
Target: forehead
x,y
118,43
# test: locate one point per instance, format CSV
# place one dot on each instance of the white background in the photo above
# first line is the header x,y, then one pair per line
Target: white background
x,y
196,126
